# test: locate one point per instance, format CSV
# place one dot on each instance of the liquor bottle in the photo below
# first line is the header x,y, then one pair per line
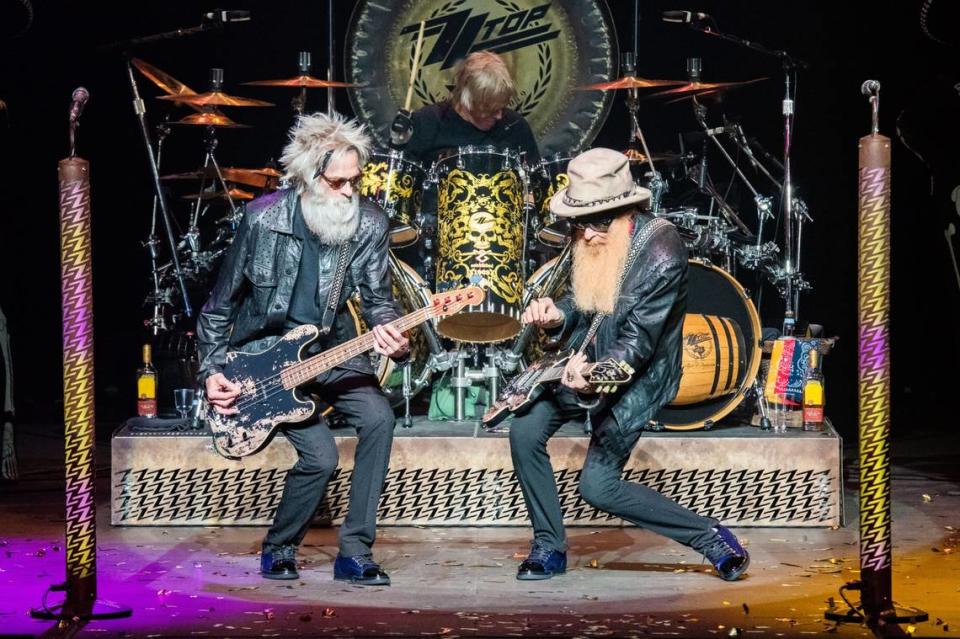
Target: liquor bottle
x,y
813,393
147,385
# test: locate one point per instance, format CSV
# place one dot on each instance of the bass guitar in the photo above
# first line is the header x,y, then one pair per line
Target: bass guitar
x,y
269,379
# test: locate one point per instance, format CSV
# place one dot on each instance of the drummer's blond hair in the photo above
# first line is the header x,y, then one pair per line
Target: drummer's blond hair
x,y
319,139
482,82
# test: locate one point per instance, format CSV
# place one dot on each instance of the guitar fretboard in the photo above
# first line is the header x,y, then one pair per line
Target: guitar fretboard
x,y
304,371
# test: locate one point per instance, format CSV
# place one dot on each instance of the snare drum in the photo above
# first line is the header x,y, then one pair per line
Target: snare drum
x,y
480,228
395,182
546,179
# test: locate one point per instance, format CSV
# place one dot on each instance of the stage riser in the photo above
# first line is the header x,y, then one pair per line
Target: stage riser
x,y
457,480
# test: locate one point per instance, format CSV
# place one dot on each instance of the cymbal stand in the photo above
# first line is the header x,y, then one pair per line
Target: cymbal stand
x,y
331,50
210,145
140,109
657,184
158,298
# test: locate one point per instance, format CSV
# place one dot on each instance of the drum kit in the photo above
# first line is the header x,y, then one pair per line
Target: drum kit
x,y
491,225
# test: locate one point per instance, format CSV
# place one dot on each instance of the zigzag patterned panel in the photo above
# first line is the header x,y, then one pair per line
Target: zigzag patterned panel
x,y
473,496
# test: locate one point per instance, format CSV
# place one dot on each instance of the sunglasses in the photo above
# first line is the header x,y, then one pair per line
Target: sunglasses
x,y
337,183
600,226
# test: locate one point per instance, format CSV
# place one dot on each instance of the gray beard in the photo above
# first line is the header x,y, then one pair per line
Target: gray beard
x,y
332,219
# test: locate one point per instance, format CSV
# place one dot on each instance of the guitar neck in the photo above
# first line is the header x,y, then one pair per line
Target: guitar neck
x,y
554,373
304,371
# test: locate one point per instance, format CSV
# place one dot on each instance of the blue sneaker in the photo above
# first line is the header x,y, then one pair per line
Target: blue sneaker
x,y
542,563
726,554
279,562
360,570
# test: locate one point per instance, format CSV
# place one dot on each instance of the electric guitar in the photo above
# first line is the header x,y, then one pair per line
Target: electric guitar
x,y
523,389
269,379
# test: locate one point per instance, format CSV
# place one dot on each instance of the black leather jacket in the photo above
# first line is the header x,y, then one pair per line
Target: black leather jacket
x,y
645,330
248,307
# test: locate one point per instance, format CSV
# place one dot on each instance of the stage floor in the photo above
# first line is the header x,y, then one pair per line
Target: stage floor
x,y
458,581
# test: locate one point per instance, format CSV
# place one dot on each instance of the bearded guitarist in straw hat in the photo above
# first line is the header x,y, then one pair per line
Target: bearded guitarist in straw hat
x,y
631,269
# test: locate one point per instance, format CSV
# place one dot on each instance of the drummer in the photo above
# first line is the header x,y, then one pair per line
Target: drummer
x,y
476,114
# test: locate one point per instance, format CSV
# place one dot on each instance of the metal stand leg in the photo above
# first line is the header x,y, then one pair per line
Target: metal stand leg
x,y
460,383
407,394
492,376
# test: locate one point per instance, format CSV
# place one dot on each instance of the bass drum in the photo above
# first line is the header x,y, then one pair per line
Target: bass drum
x,y
388,373
721,348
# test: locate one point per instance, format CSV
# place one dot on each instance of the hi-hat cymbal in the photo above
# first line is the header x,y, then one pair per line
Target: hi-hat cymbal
x,y
211,118
301,81
216,98
630,82
235,194
258,178
691,89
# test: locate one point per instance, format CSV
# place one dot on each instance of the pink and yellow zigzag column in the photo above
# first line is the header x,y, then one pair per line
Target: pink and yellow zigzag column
x,y
874,374
78,396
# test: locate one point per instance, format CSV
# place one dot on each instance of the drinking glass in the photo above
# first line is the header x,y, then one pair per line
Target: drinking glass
x,y
183,401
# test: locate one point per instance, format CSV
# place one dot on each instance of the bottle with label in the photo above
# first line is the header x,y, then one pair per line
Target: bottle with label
x,y
147,385
813,398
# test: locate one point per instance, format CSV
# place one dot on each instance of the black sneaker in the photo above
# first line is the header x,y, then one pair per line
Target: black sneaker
x,y
542,563
279,562
359,569
726,554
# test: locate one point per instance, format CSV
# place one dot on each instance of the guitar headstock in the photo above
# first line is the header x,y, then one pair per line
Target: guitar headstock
x,y
605,376
451,302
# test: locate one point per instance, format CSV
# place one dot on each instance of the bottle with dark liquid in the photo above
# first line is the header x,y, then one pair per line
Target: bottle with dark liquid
x,y
813,398
147,385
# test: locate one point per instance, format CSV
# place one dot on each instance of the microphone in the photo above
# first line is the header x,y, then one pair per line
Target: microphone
x,y
870,87
80,97
222,16
684,17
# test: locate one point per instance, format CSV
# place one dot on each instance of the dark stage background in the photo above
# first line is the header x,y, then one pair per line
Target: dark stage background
x,y
845,44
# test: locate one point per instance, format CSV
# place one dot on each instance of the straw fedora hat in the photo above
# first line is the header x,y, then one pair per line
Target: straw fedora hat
x,y
600,181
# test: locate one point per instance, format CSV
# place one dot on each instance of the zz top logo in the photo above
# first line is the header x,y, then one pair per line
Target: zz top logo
x,y
460,34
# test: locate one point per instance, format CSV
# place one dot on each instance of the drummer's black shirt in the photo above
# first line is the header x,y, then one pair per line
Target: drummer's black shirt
x,y
438,127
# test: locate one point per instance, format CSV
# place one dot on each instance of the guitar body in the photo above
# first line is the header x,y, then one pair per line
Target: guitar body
x,y
523,390
263,402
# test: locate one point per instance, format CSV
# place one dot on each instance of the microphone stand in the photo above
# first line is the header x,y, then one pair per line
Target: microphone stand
x,y
790,64
331,50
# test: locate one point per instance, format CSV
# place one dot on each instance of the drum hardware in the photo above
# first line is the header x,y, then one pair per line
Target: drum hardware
x,y
157,322
302,81
232,194
465,376
790,66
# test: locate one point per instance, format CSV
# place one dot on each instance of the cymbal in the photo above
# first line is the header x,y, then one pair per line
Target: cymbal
x,y
636,156
211,118
235,194
629,82
164,80
301,81
258,178
215,98
691,89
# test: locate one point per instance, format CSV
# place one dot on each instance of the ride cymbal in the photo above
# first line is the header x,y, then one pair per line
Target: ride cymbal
x,y
216,98
162,79
300,82
629,82
636,156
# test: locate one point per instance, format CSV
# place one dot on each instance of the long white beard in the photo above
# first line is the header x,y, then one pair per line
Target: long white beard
x,y
333,219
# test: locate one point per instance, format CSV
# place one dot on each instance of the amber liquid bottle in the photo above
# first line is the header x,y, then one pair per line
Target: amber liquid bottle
x,y
813,396
147,385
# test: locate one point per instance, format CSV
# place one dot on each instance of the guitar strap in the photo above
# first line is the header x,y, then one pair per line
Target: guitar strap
x,y
640,240
333,298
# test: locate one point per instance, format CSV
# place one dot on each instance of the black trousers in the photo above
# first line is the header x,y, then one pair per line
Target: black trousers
x,y
359,399
601,485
